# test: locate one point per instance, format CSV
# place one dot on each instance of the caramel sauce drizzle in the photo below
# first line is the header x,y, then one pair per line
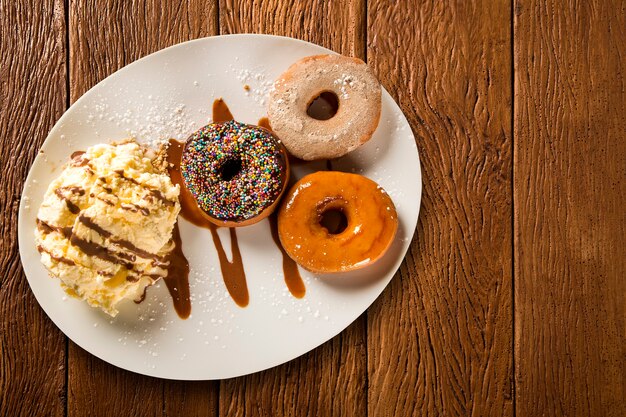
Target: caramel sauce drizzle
x,y
221,112
264,122
177,279
233,272
291,273
46,228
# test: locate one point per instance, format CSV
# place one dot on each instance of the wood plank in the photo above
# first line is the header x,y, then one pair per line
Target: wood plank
x,y
339,26
32,98
440,337
105,36
330,380
570,222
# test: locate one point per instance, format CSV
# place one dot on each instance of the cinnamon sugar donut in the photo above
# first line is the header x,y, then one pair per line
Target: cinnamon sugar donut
x,y
345,83
370,224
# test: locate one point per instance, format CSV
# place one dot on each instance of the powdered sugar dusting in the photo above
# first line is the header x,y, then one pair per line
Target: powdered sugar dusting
x,y
344,82
152,124
256,83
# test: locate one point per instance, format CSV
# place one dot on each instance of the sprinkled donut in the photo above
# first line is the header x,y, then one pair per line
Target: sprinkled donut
x,y
325,106
364,227
236,172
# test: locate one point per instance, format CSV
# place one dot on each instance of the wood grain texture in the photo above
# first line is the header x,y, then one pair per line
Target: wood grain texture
x,y
337,25
440,336
440,339
107,35
330,380
32,98
570,172
103,37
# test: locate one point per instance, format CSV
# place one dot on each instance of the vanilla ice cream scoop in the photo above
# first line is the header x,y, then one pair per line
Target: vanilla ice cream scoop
x,y
105,225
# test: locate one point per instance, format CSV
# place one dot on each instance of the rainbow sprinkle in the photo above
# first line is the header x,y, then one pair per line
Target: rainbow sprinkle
x,y
254,186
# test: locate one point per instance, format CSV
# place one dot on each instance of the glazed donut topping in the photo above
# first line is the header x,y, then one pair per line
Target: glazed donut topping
x,y
336,222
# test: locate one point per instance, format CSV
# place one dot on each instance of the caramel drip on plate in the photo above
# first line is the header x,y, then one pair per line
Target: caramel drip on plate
x,y
221,112
291,273
264,122
232,272
294,281
177,279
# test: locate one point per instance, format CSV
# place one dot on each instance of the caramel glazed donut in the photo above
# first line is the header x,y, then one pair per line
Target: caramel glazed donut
x,y
370,215
357,93
235,172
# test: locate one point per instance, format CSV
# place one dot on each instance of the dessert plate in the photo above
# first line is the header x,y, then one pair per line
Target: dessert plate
x,y
168,95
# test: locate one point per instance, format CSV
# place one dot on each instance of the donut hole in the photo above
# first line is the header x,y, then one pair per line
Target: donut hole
x,y
229,169
324,106
334,220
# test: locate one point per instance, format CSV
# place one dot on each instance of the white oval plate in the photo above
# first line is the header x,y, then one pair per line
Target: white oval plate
x,y
169,94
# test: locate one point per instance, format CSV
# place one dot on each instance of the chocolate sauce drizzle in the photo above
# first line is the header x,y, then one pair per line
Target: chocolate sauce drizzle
x,y
62,194
60,259
177,277
46,228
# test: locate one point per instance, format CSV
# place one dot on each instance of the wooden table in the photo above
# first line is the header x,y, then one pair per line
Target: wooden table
x,y
511,298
